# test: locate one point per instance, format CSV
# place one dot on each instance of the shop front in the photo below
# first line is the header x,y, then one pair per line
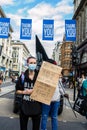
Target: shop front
x,y
82,51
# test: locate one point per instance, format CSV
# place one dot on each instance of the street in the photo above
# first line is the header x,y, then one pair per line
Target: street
x,y
67,120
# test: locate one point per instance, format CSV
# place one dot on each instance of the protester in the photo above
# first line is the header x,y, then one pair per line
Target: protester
x,y
53,107
29,107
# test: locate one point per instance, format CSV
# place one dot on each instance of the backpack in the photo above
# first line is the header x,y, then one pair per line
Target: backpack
x,y
22,78
18,97
85,83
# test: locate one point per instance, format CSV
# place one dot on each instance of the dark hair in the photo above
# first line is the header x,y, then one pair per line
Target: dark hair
x,y
52,61
30,57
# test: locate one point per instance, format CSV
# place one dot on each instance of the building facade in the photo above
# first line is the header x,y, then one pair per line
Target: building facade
x,y
20,53
80,15
66,58
6,51
57,53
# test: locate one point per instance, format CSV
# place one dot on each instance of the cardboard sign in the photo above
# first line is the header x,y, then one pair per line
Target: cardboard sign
x,y
46,82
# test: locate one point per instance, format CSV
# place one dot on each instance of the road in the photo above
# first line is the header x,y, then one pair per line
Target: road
x,y
10,121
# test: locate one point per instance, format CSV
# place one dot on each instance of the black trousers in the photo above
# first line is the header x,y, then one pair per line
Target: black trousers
x,y
24,121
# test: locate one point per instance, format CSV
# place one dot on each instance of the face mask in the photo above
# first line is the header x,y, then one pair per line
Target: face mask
x,y
32,66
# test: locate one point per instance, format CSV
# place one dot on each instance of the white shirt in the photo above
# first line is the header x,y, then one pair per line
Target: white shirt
x,y
59,91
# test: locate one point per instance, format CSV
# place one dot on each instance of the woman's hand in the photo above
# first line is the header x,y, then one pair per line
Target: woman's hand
x,y
28,91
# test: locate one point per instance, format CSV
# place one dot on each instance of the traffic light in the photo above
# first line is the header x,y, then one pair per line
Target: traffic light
x,y
74,56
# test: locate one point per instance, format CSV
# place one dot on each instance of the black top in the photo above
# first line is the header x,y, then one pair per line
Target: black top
x,y
26,84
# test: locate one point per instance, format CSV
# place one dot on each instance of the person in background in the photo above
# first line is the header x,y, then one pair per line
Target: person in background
x,y
84,85
84,92
53,107
80,82
26,88
81,79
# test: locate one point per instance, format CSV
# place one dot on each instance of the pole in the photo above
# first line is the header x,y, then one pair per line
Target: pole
x,y
74,83
72,108
68,99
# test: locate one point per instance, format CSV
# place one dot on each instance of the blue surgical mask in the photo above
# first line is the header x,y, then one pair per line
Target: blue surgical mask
x,y
32,67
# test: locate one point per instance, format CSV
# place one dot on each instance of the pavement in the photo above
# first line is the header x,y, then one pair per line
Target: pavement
x,y
7,87
8,119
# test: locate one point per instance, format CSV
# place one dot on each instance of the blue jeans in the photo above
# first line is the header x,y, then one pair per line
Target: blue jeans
x,y
53,109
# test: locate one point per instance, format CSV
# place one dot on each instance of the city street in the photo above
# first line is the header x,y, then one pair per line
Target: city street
x,y
67,120
43,49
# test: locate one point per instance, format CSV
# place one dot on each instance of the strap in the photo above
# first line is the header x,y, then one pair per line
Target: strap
x,y
22,78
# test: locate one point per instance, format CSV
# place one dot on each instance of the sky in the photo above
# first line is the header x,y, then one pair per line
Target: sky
x,y
37,10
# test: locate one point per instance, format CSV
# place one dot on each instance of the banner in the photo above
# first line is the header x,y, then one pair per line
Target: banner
x,y
48,29
4,27
46,82
26,29
70,30
40,53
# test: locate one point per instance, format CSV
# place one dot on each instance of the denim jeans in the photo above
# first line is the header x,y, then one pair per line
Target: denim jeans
x,y
53,109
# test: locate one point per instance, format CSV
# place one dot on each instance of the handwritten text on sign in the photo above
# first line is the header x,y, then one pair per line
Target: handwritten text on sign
x,y
46,82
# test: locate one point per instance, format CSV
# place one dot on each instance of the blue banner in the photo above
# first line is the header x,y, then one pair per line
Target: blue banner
x,y
4,27
70,30
26,29
48,29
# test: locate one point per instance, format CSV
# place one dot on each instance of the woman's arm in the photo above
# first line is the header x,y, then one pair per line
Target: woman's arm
x,y
27,91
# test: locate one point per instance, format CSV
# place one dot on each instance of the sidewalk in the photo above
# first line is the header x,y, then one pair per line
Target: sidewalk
x,y
71,93
7,80
7,87
6,90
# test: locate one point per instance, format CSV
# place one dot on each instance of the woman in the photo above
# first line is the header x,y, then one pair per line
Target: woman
x,y
53,107
25,87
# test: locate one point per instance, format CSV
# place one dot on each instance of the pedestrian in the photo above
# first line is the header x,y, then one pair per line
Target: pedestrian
x,y
80,82
84,92
29,107
53,107
84,85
